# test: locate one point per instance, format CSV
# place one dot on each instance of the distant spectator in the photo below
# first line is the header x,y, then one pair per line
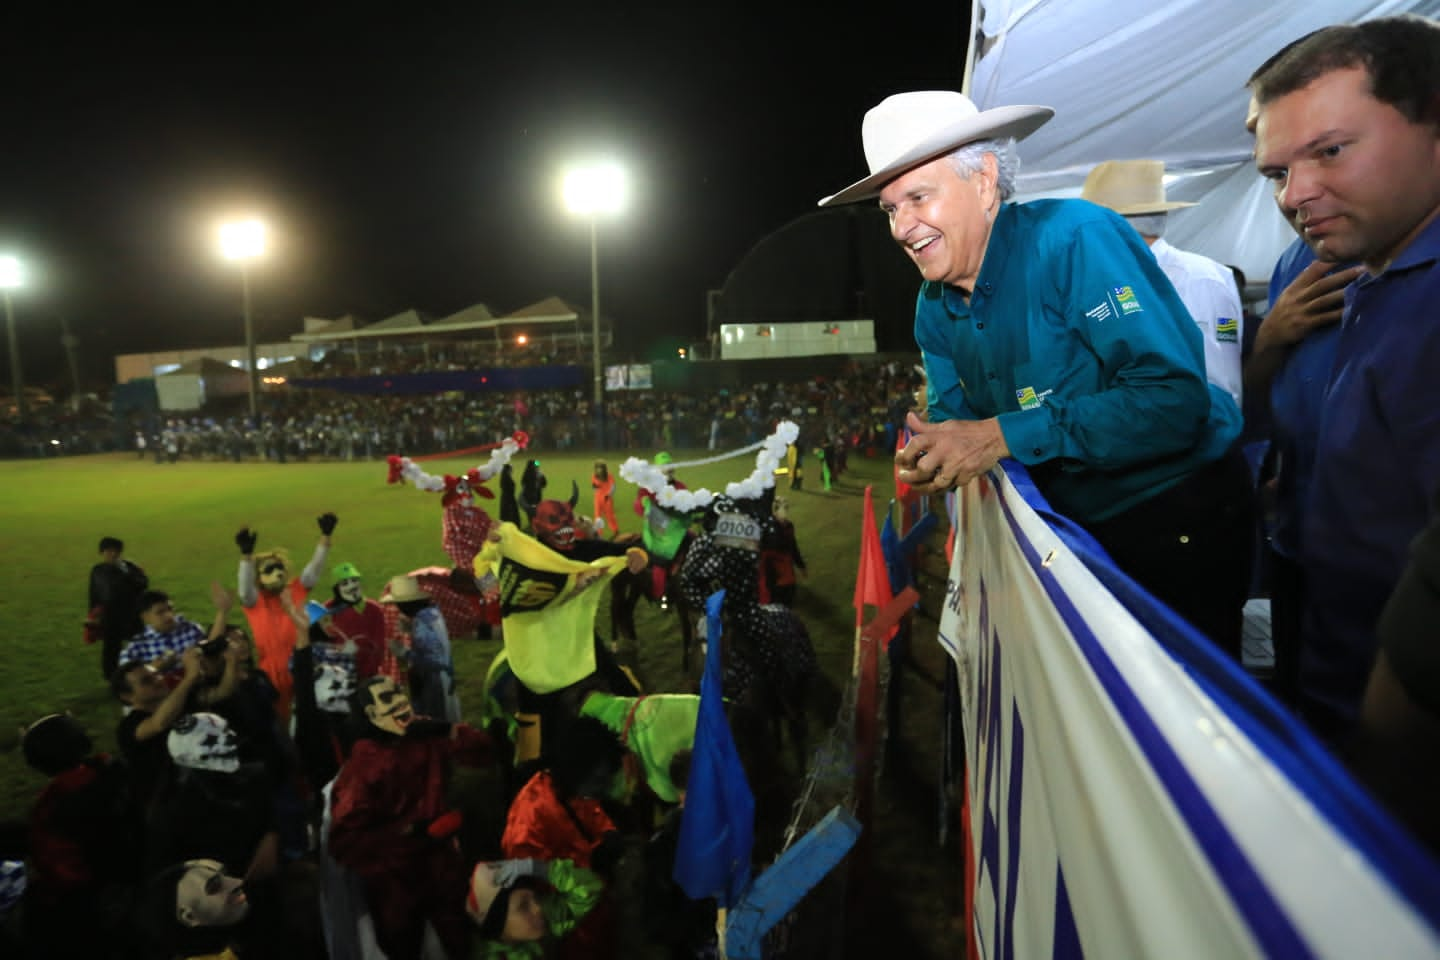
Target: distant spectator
x,y
116,585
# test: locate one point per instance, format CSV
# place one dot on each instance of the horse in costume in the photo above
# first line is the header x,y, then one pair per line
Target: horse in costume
x,y
769,659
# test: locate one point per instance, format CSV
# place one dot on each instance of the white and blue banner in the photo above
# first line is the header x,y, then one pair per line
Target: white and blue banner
x,y
1133,793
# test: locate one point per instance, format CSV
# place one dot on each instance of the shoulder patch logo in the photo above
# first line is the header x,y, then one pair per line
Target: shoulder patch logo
x,y
1227,330
1125,297
1028,399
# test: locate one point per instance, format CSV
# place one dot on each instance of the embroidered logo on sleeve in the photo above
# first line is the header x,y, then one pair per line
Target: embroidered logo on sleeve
x,y
1125,297
1227,330
1100,312
1028,399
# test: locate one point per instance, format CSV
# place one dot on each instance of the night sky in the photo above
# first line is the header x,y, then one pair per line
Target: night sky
x,y
413,159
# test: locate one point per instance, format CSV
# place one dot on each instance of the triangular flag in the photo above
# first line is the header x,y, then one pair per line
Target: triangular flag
x,y
872,583
717,826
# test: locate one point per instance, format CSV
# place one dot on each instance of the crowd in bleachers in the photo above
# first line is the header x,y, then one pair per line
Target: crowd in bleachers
x,y
863,407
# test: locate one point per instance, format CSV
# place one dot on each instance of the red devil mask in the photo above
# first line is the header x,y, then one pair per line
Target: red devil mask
x,y
554,523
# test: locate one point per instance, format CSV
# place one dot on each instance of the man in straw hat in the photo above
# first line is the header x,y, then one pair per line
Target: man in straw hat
x,y
1051,335
1135,189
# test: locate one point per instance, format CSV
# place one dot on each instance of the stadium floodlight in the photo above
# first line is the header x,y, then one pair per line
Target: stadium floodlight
x,y
11,277
242,242
591,191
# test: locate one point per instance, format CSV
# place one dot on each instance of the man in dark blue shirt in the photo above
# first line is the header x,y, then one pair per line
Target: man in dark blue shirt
x,y
1347,130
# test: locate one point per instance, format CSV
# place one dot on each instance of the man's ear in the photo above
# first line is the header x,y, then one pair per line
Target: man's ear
x,y
988,181
370,713
186,916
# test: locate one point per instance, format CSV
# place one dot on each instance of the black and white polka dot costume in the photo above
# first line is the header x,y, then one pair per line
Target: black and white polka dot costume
x,y
765,640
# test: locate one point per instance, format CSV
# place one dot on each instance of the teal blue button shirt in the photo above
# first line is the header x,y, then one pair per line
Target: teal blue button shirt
x,y
1077,343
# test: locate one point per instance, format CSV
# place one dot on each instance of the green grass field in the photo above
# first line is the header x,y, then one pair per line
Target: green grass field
x,y
178,521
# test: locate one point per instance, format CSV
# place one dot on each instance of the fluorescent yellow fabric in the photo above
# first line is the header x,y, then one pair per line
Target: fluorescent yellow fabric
x,y
548,604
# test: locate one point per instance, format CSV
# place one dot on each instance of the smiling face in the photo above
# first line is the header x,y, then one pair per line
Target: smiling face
x,y
941,218
1355,178
389,709
207,897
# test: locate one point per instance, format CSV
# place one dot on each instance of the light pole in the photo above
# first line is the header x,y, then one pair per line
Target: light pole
x,y
10,279
242,241
591,191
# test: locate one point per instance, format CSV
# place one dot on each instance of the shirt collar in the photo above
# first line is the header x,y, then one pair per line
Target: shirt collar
x,y
1424,249
997,249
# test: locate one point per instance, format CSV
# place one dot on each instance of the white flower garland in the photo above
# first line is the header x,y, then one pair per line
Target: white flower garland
x,y
650,477
420,480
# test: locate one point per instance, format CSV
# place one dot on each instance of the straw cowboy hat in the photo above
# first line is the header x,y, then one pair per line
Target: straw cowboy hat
x,y
1132,188
909,129
403,589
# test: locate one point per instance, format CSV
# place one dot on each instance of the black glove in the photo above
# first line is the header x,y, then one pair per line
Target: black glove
x,y
245,540
327,523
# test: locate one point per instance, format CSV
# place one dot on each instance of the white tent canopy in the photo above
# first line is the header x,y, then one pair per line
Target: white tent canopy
x,y
1153,79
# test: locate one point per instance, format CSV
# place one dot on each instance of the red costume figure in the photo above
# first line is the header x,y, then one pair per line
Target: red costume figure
x,y
363,620
464,527
263,576
604,486
391,826
557,816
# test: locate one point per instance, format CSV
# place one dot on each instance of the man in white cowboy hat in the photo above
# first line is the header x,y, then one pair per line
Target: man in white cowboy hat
x,y
1135,189
1051,335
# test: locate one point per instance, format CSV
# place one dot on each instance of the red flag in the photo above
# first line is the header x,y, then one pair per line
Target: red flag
x,y
872,583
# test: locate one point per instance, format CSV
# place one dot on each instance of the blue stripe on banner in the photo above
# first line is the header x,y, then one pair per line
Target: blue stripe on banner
x,y
1276,734
1066,945
1249,894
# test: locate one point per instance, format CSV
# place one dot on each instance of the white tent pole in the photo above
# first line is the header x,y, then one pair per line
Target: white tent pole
x,y
970,47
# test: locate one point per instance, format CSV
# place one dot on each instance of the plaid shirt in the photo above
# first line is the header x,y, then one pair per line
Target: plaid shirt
x,y
463,530
152,645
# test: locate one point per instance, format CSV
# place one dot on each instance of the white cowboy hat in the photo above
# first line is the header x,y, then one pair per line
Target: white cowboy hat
x,y
1132,188
403,589
908,129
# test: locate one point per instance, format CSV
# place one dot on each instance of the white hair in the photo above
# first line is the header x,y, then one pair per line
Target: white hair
x,y
1149,224
971,159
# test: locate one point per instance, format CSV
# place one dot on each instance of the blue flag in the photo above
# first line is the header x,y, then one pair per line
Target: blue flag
x,y
717,829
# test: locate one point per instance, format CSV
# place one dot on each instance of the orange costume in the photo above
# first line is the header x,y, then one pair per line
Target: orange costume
x,y
274,634
604,486
262,578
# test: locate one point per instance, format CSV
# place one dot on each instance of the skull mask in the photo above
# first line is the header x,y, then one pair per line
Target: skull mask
x,y
204,741
334,684
554,523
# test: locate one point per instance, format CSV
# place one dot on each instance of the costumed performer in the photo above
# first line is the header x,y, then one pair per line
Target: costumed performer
x,y
262,577
391,824
523,906
548,599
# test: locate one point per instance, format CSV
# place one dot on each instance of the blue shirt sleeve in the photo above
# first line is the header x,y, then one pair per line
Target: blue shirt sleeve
x,y
429,640
1153,399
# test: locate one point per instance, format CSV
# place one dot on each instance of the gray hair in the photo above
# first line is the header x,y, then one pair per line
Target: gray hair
x,y
1150,224
971,159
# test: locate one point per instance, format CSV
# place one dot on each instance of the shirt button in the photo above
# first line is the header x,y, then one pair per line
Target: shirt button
x,y
1036,451
989,376
980,325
